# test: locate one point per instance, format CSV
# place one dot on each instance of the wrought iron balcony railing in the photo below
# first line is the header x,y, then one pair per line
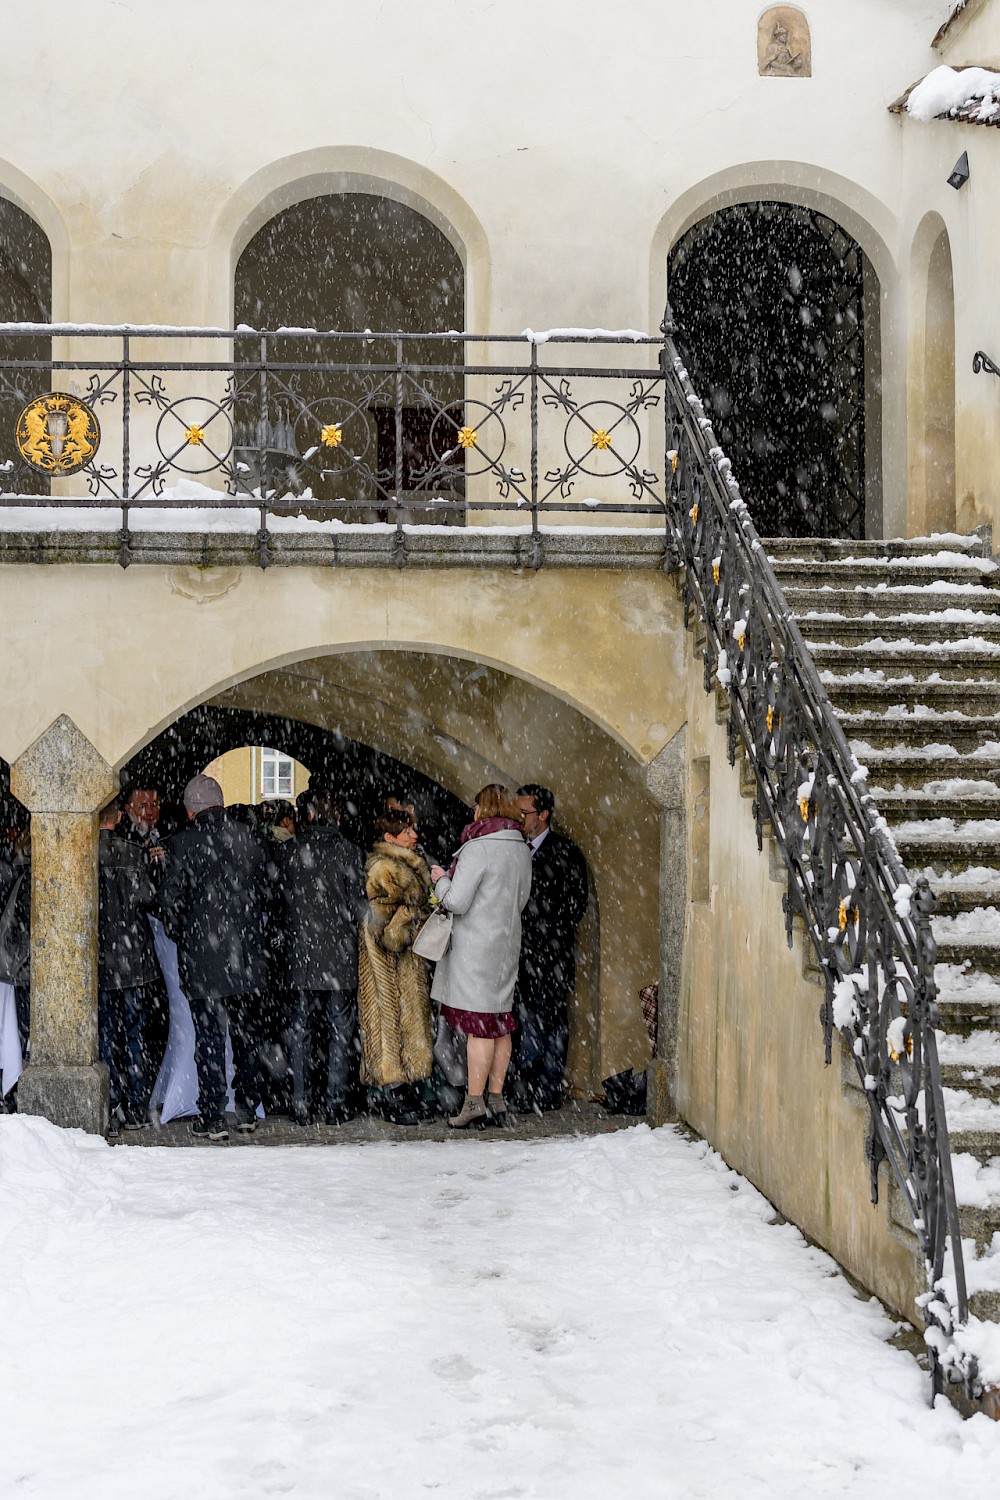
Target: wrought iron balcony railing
x,y
392,428
869,927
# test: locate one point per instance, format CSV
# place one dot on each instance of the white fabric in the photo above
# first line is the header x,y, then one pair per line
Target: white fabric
x,y
11,1061
176,1086
536,843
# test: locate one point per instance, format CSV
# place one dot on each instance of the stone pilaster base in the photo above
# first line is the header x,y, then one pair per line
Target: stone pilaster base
x,y
67,1094
660,1106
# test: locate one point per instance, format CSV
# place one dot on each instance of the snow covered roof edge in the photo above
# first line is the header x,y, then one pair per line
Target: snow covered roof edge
x,y
962,13
967,94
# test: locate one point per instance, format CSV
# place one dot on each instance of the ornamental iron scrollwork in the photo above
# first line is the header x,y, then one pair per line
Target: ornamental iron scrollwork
x,y
360,427
867,923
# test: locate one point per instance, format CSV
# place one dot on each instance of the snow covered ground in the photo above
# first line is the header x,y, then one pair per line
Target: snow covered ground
x,y
608,1316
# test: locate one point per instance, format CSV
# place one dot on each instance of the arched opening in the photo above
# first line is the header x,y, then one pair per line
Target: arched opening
x,y
352,262
939,390
777,310
15,929
438,727
25,297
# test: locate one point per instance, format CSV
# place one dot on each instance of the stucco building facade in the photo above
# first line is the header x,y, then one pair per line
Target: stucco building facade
x,y
561,155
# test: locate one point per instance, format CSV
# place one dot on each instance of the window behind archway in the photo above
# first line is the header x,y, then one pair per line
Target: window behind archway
x,y
771,302
25,297
351,262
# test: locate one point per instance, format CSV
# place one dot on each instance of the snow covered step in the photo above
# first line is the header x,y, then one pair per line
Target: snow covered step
x,y
971,1062
944,660
885,601
981,923
968,1000
857,692
948,626
882,572
914,804
921,727
826,549
919,843
955,901
969,890
933,767
981,953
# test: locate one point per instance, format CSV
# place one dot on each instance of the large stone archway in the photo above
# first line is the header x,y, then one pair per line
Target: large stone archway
x,y
461,724
575,680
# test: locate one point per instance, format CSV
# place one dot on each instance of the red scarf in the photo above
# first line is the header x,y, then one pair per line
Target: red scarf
x,y
479,830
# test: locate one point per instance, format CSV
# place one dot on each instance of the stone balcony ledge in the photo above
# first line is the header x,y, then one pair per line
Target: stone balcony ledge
x,y
233,539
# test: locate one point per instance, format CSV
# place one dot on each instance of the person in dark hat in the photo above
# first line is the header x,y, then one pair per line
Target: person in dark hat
x,y
212,903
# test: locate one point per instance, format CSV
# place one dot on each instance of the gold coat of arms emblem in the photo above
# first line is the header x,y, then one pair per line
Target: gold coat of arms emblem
x,y
57,434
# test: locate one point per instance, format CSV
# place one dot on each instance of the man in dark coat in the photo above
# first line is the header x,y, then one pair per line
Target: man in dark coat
x,y
142,826
547,971
212,903
322,878
128,971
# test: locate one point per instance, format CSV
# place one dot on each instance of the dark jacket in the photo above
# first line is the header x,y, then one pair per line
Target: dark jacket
x,y
15,919
555,908
127,957
322,879
212,903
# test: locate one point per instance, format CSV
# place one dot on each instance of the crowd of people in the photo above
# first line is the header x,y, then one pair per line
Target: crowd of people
x,y
293,952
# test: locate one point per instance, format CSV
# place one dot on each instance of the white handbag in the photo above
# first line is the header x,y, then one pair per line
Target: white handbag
x,y
433,938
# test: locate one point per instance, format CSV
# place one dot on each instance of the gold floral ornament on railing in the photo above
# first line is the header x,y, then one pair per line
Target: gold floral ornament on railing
x,y
57,434
468,437
194,435
600,439
331,436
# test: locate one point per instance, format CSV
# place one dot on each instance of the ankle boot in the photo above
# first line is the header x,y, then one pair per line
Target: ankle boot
x,y
496,1108
473,1112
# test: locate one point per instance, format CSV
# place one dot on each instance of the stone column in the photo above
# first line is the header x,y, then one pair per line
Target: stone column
x,y
666,781
64,782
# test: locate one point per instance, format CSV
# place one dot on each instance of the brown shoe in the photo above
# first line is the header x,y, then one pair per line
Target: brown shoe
x,y
473,1112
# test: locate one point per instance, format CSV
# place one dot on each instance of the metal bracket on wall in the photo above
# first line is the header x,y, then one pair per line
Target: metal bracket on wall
x,y
981,361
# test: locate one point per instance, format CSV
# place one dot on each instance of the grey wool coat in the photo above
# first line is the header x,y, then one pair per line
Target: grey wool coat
x,y
487,894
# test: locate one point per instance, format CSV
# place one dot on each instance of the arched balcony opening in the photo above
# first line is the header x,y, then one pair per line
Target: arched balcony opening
x,y
777,314
356,263
25,297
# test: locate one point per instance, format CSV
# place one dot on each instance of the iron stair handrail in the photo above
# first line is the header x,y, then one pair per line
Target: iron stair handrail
x,y
845,877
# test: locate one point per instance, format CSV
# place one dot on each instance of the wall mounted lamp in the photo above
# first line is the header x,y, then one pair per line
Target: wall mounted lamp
x,y
959,175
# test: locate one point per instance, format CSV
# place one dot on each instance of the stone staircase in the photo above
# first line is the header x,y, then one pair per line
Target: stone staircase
x,y
906,635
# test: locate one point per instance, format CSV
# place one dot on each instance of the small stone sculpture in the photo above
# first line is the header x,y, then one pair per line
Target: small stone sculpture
x,y
784,46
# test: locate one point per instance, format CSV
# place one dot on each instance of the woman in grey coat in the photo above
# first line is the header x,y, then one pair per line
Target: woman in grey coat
x,y
486,889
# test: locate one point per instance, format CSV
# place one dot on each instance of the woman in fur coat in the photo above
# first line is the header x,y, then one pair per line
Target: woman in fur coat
x,y
394,1005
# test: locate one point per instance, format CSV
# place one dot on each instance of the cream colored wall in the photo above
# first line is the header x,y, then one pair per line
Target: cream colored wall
x,y
608,643
751,1076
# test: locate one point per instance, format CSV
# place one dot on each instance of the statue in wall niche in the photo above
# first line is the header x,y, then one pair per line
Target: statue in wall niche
x,y
784,47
